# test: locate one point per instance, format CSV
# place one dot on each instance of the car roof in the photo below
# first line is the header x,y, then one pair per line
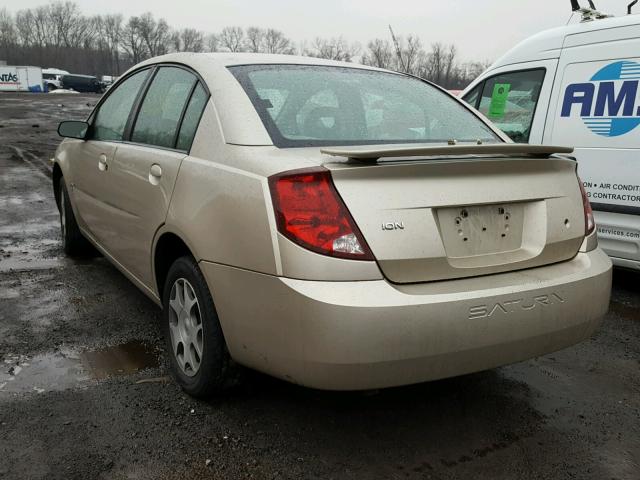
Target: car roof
x,y
55,71
227,59
78,75
239,120
548,43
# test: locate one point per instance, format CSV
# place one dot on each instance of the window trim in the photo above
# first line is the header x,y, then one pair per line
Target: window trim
x,y
484,81
186,106
182,114
137,104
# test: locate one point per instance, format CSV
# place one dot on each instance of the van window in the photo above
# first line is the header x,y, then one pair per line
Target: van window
x,y
111,119
159,115
472,97
509,100
192,118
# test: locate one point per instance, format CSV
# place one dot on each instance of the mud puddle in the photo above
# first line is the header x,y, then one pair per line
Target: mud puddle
x,y
120,360
68,368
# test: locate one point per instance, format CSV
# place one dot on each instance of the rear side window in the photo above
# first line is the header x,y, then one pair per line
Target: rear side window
x,y
509,100
192,118
111,118
309,105
160,112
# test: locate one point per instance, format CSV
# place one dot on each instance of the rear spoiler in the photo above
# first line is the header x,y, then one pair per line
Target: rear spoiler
x,y
370,153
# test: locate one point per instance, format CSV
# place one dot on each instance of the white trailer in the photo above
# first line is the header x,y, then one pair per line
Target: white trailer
x,y
20,79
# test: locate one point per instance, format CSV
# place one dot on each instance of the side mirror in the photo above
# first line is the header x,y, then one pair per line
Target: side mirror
x,y
73,129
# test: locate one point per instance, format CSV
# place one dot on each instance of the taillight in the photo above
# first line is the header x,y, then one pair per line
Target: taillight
x,y
589,221
310,212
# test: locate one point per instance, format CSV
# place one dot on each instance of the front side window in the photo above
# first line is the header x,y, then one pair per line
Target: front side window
x,y
308,105
160,112
111,119
509,100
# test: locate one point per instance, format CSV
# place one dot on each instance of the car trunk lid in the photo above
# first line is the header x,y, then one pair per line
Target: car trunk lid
x,y
443,212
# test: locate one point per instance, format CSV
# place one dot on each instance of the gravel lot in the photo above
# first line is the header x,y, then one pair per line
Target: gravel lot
x,y
84,391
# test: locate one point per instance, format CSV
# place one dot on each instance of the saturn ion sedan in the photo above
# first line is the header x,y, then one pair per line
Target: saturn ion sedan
x,y
334,225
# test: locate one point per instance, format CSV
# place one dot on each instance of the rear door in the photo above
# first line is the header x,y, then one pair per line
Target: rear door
x,y
596,108
145,168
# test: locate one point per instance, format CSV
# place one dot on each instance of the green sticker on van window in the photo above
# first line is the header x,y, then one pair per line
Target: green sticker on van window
x,y
499,100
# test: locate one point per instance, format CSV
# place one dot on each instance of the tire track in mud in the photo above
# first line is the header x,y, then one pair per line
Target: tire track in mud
x,y
40,165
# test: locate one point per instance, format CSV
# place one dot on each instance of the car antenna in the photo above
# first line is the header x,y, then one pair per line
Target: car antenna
x,y
630,6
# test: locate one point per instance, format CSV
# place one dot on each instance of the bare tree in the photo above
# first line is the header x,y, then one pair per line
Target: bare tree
x,y
111,32
68,25
255,39
333,49
276,42
232,38
8,33
380,54
59,34
188,40
412,54
212,43
132,42
450,64
156,35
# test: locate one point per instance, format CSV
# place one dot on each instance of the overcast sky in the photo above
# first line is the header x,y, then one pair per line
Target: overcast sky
x,y
482,29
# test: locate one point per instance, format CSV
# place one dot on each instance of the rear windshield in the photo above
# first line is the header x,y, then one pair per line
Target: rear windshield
x,y
308,105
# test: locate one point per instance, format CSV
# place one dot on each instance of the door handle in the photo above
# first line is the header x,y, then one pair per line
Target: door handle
x,y
155,172
102,163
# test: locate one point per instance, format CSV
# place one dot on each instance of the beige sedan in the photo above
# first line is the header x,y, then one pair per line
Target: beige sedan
x,y
334,225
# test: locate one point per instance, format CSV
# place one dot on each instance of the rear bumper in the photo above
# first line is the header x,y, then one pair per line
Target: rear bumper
x,y
372,334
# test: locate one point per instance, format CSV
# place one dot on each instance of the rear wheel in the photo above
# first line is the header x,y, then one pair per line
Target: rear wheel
x,y
73,243
198,354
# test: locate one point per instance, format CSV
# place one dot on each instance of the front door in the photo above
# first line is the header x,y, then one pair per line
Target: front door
x,y
92,158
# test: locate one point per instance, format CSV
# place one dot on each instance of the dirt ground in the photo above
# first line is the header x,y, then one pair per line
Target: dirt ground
x,y
84,392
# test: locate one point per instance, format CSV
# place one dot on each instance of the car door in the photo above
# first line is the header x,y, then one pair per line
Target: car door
x,y
89,159
145,169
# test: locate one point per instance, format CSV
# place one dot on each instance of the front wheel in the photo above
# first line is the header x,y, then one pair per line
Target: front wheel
x,y
198,354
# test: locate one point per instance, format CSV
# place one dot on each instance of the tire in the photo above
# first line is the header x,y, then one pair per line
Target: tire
x,y
198,355
73,243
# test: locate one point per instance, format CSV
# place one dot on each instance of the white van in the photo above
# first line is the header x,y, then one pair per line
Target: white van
x,y
578,86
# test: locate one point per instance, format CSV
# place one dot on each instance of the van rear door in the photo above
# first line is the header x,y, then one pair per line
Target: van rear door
x,y
596,108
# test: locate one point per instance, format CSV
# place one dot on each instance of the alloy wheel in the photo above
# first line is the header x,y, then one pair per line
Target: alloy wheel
x,y
185,327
